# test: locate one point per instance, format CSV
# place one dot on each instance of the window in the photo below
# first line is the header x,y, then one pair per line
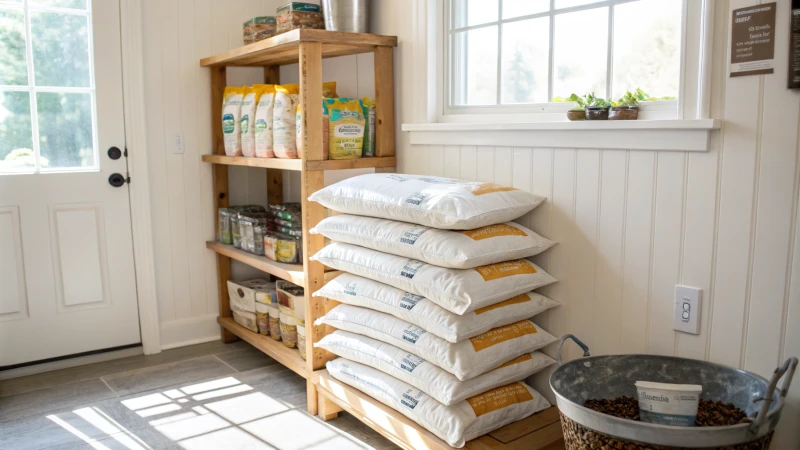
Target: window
x,y
506,55
47,92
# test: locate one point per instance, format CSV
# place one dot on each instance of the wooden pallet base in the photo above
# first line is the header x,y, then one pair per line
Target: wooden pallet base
x,y
541,431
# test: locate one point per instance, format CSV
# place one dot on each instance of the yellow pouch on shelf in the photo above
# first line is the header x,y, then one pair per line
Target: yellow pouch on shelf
x,y
329,89
346,132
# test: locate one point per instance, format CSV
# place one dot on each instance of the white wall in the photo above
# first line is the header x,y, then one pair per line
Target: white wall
x,y
178,33
633,224
630,224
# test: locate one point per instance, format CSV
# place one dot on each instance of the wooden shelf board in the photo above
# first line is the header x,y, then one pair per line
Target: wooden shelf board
x,y
297,165
266,163
284,48
542,431
289,357
288,272
358,163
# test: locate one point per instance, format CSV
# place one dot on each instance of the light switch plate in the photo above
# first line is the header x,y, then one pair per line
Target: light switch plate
x,y
177,146
686,313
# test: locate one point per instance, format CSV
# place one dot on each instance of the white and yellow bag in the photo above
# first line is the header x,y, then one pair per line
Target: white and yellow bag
x,y
248,120
455,424
466,359
445,248
263,122
231,116
435,202
456,290
427,377
359,291
284,121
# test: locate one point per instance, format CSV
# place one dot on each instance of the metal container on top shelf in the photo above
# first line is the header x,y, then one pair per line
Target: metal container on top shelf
x,y
351,16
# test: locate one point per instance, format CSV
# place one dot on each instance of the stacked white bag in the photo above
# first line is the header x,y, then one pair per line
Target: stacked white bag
x,y
435,310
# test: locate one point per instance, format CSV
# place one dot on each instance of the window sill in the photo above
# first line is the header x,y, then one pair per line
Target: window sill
x,y
676,135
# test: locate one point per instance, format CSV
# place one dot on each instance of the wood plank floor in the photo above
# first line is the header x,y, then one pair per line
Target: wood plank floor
x,y
207,396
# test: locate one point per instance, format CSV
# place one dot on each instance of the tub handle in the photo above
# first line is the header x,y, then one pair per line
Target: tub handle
x,y
788,368
577,341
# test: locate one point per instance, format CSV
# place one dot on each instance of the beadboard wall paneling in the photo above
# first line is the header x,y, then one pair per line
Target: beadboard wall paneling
x,y
630,225
177,34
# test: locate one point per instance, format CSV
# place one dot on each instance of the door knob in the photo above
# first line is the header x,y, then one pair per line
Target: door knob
x,y
114,153
116,180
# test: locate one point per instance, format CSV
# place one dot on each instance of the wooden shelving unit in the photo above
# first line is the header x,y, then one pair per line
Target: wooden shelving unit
x,y
307,48
326,396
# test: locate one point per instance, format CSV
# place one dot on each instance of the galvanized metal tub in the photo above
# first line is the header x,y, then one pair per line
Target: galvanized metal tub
x,y
609,377
346,15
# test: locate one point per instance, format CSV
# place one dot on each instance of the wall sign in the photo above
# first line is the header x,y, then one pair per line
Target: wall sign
x,y
753,40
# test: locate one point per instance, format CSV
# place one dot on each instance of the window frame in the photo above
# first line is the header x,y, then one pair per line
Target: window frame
x,y
32,89
547,111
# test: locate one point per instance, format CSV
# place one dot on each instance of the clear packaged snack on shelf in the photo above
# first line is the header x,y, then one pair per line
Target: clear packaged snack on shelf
x,y
295,15
251,229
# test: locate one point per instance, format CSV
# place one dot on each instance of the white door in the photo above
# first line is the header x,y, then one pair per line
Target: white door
x,y
67,282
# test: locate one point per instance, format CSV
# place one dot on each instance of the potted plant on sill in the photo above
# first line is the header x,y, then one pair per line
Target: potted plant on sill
x,y
596,107
627,107
578,112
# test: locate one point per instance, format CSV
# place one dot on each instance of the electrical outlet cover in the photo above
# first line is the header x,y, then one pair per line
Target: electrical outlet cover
x,y
686,313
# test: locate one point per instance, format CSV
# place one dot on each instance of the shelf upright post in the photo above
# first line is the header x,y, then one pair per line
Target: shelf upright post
x,y
220,183
310,145
272,75
384,101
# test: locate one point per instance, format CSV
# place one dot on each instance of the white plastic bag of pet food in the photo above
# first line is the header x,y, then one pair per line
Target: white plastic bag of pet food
x,y
248,120
435,202
456,290
263,130
359,291
466,359
246,319
427,377
231,115
445,248
284,121
455,424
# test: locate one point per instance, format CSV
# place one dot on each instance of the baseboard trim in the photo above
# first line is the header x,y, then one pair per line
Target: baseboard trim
x,y
194,330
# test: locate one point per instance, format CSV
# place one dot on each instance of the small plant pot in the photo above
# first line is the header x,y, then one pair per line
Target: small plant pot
x,y
624,113
576,114
596,113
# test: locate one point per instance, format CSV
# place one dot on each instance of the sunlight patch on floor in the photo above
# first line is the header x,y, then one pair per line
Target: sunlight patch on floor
x,y
195,426
247,407
222,392
291,429
243,420
229,438
85,438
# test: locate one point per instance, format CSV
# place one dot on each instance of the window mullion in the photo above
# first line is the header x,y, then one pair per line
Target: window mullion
x,y
551,68
32,91
498,84
610,52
